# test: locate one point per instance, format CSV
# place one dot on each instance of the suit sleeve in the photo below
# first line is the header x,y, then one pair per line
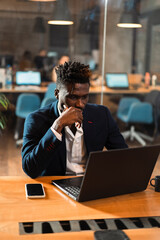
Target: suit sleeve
x,y
39,146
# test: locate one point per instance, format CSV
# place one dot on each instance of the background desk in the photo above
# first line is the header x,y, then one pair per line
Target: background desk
x,y
13,93
93,90
23,89
15,208
106,90
111,97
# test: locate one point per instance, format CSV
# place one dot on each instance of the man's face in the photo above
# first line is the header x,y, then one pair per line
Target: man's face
x,y
73,95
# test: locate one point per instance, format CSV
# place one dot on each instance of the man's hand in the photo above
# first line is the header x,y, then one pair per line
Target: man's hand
x,y
68,117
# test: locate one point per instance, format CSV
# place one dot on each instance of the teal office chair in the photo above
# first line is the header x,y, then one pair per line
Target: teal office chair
x,y
26,103
132,111
49,96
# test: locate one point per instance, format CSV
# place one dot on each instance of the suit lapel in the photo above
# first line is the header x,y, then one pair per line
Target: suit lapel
x,y
55,108
62,151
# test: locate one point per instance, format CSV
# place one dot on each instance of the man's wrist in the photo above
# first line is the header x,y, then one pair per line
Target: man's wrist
x,y
58,135
57,126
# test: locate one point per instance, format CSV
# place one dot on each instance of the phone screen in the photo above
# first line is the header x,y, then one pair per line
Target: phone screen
x,y
34,190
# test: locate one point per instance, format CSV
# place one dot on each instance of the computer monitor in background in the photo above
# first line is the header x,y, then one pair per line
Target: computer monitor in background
x,y
117,80
28,78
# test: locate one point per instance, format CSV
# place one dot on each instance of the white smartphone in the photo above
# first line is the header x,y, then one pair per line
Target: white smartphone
x,y
34,190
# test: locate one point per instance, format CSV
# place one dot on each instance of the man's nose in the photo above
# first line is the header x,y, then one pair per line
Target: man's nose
x,y
79,103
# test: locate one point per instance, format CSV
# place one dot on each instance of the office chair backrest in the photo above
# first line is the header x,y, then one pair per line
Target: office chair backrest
x,y
125,104
50,91
47,101
49,96
27,103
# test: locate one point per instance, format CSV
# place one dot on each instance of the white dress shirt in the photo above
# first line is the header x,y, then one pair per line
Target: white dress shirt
x,y
75,150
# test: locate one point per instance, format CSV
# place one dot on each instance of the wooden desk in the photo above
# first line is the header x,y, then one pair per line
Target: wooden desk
x,y
13,93
106,90
15,208
23,90
93,90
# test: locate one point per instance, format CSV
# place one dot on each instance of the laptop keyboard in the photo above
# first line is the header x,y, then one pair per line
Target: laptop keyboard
x,y
73,190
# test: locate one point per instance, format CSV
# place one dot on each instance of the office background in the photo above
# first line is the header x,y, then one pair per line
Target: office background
x,y
126,50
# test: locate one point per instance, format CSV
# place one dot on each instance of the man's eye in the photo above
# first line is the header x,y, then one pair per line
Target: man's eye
x,y
84,97
72,97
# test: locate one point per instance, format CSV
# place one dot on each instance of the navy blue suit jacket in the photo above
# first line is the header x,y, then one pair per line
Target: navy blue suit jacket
x,y
44,155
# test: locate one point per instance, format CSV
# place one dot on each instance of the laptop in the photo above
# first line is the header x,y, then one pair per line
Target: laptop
x,y
117,80
111,173
28,78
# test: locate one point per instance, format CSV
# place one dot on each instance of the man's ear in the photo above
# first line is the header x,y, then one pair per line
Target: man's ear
x,y
56,93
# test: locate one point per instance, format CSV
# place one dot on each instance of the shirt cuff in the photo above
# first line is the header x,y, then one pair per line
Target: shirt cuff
x,y
58,135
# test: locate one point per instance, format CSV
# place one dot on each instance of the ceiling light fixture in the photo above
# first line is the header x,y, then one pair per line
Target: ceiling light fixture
x,y
61,14
129,17
41,0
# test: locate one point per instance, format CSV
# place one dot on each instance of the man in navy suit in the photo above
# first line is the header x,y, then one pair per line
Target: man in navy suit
x,y
58,138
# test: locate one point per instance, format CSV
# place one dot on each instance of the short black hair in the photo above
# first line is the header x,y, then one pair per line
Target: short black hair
x,y
72,72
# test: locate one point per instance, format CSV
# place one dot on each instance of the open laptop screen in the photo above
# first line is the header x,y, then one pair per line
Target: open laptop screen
x,y
117,80
28,78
